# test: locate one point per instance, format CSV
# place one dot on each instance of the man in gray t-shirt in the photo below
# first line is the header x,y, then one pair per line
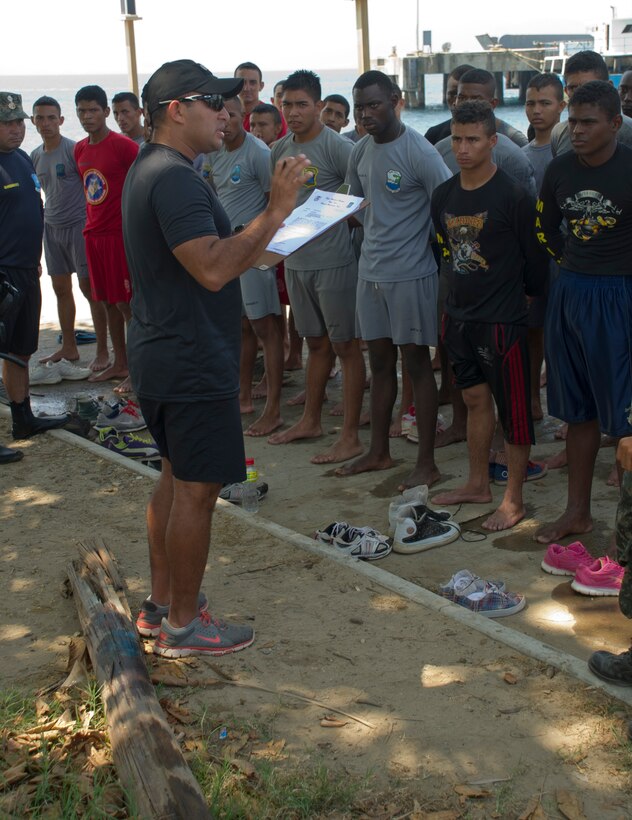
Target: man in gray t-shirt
x,y
241,172
64,219
321,277
397,170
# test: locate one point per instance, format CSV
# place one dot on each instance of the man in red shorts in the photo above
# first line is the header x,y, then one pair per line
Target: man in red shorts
x,y
103,159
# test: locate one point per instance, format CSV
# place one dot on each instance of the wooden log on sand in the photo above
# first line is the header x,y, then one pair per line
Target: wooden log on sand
x,y
147,757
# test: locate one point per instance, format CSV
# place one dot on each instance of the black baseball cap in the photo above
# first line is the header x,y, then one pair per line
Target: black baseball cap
x,y
179,77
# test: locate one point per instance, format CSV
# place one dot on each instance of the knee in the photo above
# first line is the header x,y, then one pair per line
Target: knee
x,y
475,398
62,286
347,350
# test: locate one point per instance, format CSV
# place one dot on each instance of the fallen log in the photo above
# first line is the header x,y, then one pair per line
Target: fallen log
x,y
147,757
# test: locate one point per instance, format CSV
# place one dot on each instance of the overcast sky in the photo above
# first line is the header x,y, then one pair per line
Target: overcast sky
x,y
87,36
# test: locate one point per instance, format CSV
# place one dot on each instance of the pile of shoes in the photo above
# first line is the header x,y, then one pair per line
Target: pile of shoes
x,y
122,429
55,372
482,596
591,576
415,527
359,542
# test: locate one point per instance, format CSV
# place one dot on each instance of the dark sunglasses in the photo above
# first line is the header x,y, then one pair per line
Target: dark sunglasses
x,y
214,101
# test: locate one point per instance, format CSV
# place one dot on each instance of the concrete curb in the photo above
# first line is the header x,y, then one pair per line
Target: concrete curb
x,y
525,644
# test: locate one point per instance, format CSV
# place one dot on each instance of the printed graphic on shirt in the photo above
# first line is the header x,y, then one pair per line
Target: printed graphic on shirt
x,y
311,175
95,186
393,181
235,175
594,213
463,232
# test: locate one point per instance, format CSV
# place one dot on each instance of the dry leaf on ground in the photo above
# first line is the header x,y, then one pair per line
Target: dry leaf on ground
x,y
569,805
471,791
510,678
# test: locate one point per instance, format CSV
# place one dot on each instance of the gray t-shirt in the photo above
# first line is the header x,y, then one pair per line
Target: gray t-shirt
x,y
398,179
506,155
328,154
561,141
61,183
539,156
241,179
514,135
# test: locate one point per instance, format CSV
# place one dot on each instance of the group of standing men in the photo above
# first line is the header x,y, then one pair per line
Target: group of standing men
x,y
186,253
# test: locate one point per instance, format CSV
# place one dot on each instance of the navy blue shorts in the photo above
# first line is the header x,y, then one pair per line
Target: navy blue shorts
x,y
588,345
22,322
497,355
202,440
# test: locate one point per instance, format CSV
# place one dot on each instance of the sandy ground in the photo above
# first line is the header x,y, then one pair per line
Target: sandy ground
x,y
441,711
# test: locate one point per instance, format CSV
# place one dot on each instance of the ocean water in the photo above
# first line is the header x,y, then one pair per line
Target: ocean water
x,y
337,81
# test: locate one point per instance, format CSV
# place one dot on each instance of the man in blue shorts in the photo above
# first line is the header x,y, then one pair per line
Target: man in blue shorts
x,y
588,332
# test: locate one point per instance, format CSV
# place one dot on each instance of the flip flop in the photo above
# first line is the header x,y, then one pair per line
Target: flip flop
x,y
82,337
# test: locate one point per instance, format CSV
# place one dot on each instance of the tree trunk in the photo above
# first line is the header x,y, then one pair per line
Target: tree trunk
x,y
147,757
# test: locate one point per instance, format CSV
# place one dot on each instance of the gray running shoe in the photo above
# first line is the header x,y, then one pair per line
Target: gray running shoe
x,y
150,616
124,416
203,636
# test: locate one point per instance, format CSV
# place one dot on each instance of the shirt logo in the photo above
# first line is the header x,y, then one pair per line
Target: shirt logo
x,y
463,234
235,175
393,181
36,183
60,169
95,186
593,214
311,176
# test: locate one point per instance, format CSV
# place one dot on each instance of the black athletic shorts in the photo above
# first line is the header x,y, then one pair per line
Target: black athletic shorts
x,y
495,354
202,440
22,321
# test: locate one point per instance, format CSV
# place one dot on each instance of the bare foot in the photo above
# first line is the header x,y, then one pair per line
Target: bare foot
x,y
536,410
264,425
561,433
365,419
297,431
114,371
294,363
419,476
613,478
451,435
246,408
505,517
260,391
566,524
70,354
365,464
337,410
339,451
558,460
464,495
99,363
124,387
395,429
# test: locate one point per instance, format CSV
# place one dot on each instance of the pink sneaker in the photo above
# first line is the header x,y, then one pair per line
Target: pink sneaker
x,y
559,560
603,577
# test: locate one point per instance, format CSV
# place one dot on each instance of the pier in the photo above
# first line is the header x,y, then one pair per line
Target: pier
x,y
516,67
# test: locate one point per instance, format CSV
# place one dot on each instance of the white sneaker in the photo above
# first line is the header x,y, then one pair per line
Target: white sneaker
x,y
71,371
45,373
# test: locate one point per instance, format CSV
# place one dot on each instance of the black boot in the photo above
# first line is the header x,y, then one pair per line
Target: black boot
x,y
7,455
25,424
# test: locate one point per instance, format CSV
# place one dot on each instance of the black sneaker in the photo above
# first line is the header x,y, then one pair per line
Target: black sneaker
x,y
418,530
616,669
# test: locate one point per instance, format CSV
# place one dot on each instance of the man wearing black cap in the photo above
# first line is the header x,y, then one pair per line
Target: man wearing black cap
x,y
21,230
183,341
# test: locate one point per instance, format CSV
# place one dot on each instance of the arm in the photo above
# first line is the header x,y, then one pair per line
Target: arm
x,y
549,219
435,213
213,262
355,186
536,269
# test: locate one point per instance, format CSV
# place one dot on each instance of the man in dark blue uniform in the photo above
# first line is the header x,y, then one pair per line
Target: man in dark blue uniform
x,y
21,229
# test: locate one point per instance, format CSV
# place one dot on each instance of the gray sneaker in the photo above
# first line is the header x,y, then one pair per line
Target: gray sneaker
x,y
205,635
150,616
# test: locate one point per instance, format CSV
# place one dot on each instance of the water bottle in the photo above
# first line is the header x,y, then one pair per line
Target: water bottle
x,y
250,493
